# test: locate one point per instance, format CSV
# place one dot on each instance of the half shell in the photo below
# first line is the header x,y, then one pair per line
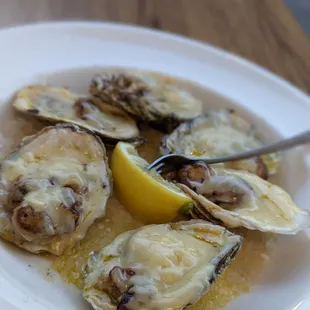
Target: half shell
x,y
159,267
52,188
241,199
148,97
60,105
220,133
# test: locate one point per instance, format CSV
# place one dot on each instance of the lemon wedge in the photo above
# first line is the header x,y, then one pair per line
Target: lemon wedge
x,y
145,194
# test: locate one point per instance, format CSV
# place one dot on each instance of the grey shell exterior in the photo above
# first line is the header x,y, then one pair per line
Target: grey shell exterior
x,y
110,89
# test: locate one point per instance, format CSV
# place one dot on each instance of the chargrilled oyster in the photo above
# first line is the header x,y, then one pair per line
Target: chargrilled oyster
x,y
241,199
52,188
159,267
216,134
148,97
58,105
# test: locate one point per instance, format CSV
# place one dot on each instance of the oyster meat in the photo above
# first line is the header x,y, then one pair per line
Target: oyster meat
x,y
52,188
148,97
58,105
241,199
159,267
220,133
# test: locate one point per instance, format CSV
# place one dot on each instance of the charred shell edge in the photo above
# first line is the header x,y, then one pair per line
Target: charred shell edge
x,y
197,211
64,125
164,123
223,262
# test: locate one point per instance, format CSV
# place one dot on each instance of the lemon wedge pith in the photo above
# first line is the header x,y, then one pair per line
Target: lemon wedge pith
x,y
146,195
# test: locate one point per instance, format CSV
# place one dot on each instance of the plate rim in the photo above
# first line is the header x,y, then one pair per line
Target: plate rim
x,y
232,57
253,68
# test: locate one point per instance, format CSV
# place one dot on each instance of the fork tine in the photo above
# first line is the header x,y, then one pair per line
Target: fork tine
x,y
167,163
159,172
163,159
156,163
157,167
161,168
166,168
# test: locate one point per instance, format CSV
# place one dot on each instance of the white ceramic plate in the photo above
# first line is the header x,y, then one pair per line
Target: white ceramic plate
x,y
51,51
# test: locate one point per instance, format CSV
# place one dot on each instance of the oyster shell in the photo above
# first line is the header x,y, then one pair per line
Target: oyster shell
x,y
220,133
52,188
241,199
148,97
60,105
158,267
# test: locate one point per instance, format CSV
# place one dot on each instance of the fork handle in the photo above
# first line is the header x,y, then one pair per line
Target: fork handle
x,y
285,144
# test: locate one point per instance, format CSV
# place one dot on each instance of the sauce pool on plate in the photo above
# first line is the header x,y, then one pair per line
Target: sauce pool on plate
x,y
235,281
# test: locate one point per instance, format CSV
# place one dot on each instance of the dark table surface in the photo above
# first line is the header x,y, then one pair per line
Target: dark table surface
x,y
263,31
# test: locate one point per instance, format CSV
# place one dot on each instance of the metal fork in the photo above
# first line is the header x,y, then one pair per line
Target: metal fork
x,y
171,162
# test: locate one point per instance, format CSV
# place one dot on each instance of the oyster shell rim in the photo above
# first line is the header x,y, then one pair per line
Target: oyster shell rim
x,y
35,113
236,220
221,261
159,121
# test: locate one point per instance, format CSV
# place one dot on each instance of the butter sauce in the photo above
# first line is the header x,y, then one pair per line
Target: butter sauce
x,y
238,278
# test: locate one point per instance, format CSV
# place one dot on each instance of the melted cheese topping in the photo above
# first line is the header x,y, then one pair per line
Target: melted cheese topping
x,y
173,268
